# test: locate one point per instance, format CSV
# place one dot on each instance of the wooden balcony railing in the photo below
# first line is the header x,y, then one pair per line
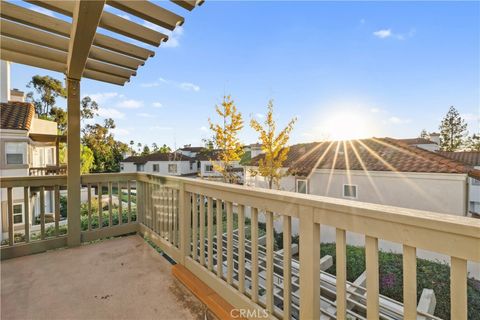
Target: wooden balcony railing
x,y
217,231
47,171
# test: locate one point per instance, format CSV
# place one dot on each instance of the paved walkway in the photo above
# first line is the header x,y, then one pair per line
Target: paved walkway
x,y
122,278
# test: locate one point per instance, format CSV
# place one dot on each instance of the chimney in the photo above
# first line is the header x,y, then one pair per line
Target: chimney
x,y
17,95
5,81
434,137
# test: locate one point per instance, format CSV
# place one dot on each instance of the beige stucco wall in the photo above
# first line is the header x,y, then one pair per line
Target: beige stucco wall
x,y
444,193
41,126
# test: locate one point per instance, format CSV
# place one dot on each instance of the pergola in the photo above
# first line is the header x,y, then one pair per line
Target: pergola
x,y
78,50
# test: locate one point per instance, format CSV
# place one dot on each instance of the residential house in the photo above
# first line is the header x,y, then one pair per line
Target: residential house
x,y
28,146
172,163
427,144
471,158
384,171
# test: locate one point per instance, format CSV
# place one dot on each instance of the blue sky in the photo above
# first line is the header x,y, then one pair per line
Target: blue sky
x,y
360,68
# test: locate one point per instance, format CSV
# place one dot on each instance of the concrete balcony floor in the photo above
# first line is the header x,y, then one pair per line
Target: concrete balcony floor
x,y
121,278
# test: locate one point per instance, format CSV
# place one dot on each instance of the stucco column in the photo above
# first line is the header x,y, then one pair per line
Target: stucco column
x,y
73,161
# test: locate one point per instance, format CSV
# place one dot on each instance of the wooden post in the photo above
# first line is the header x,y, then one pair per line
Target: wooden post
x,y
309,265
73,168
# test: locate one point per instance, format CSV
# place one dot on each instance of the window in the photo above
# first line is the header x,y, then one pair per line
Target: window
x,y
208,168
302,186
349,191
16,152
191,165
172,168
18,213
122,167
474,206
475,182
156,168
140,167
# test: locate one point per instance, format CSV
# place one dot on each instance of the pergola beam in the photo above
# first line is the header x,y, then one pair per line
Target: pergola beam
x,y
188,4
149,12
86,17
109,21
41,21
53,41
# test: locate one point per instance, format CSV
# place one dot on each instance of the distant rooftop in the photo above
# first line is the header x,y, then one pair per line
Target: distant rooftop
x,y
375,154
471,158
414,141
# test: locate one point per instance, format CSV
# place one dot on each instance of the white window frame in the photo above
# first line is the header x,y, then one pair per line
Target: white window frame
x,y
155,165
21,213
23,152
176,168
207,165
475,182
350,185
140,166
306,185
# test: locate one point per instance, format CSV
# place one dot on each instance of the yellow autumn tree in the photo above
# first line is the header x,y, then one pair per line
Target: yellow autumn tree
x,y
225,138
274,147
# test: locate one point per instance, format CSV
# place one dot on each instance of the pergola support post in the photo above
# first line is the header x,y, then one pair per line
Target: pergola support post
x,y
73,167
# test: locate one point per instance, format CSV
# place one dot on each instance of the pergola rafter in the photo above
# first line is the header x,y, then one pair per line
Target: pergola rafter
x,y
78,50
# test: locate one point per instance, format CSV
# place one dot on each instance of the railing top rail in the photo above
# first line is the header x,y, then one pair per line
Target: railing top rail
x,y
426,219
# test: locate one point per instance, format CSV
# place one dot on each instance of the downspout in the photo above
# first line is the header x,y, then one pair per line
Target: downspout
x,y
467,195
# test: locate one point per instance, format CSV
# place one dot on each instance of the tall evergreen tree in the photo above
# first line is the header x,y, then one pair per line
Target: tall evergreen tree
x,y
453,130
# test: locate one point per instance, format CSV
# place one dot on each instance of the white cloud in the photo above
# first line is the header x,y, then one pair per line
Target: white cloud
x,y
161,128
397,120
146,115
189,86
42,10
110,113
203,128
121,132
470,117
157,105
376,110
130,104
383,33
104,96
173,36
260,115
387,33
124,16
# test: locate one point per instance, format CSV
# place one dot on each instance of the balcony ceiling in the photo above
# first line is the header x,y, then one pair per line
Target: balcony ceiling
x,y
77,49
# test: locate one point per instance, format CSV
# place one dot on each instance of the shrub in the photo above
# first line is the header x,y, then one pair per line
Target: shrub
x,y
430,275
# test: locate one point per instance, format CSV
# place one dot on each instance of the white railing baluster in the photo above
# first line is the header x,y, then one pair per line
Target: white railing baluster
x,y
120,203
210,233
458,288
26,205
100,206
42,212
287,266
371,261
57,210
11,240
129,200
269,256
229,243
341,262
219,239
202,229
241,248
409,282
254,266
195,226
89,206
110,205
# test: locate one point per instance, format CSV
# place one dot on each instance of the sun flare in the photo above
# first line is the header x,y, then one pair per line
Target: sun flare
x,y
347,126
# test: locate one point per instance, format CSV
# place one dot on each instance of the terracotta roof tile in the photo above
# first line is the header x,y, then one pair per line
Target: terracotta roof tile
x,y
158,157
413,141
375,154
471,158
16,115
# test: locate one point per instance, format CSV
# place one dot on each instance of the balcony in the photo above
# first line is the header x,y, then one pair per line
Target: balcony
x,y
47,170
238,259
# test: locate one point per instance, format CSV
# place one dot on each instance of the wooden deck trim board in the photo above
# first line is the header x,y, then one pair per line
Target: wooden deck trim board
x,y
215,303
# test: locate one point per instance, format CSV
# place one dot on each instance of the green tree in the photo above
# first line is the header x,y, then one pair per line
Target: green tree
x,y
453,130
473,143
225,137
87,158
89,109
145,151
45,94
165,149
155,147
274,146
106,150
424,134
